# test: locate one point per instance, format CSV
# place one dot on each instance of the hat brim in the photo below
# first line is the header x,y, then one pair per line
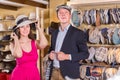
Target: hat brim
x,y
27,22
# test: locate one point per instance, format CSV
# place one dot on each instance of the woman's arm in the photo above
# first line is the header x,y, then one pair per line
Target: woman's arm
x,y
15,46
42,42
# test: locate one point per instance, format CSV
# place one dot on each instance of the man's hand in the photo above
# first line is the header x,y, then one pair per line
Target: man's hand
x,y
52,55
62,56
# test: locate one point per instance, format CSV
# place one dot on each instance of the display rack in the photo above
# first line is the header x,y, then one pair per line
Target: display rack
x,y
95,4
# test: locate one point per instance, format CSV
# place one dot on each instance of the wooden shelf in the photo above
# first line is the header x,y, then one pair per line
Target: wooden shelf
x,y
102,45
6,31
4,42
7,20
94,3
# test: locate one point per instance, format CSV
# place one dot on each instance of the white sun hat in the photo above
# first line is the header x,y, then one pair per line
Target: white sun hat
x,y
22,20
2,27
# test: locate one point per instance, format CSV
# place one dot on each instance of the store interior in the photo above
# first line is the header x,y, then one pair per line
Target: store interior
x,y
44,12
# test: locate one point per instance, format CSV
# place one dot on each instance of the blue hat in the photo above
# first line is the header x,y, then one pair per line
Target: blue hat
x,y
76,18
116,37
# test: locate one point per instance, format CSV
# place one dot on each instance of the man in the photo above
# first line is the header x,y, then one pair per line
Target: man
x,y
68,47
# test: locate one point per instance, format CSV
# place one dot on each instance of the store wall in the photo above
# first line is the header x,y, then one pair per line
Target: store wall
x,y
91,1
6,12
23,10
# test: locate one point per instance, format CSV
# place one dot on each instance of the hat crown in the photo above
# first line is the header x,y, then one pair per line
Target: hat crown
x,y
21,21
20,18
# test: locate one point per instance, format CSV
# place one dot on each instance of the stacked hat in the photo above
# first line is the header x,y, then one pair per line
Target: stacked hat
x,y
9,17
9,57
1,65
6,48
1,27
116,37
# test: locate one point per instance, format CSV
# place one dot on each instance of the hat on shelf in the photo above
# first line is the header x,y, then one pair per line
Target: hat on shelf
x,y
22,20
1,18
32,16
9,17
2,27
115,37
6,48
8,58
63,6
2,65
5,37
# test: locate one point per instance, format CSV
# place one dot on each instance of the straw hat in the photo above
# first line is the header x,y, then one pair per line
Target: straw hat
x,y
22,20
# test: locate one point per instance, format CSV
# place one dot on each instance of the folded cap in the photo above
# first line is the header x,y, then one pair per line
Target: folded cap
x,y
115,37
63,6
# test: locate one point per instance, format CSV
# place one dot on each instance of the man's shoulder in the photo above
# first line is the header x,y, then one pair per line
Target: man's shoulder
x,y
77,30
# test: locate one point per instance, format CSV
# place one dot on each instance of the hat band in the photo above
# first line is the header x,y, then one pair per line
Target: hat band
x,y
22,20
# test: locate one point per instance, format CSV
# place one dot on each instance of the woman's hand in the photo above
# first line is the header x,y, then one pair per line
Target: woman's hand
x,y
14,36
42,42
37,25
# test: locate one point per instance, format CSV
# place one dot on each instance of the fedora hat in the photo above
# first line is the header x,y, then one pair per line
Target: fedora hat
x,y
22,20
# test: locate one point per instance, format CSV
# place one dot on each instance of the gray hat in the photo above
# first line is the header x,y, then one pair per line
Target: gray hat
x,y
63,6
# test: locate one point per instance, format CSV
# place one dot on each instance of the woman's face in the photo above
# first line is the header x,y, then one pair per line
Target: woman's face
x,y
64,16
25,30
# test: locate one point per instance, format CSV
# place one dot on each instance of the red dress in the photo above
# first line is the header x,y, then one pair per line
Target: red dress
x,y
26,66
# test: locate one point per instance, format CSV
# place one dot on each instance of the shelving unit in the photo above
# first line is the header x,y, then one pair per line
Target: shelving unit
x,y
103,45
97,4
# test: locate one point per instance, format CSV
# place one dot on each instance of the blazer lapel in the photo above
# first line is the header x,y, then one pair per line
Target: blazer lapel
x,y
66,39
55,37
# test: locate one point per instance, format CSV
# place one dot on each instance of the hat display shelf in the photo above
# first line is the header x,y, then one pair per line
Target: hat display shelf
x,y
103,61
7,62
6,25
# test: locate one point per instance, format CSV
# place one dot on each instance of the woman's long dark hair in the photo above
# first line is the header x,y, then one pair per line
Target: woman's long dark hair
x,y
31,35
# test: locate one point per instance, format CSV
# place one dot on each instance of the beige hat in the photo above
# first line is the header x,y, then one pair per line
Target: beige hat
x,y
6,48
32,16
22,20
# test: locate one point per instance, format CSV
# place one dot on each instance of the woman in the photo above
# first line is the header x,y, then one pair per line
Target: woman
x,y
24,49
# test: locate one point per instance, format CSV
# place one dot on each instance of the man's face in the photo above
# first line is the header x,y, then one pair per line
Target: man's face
x,y
64,16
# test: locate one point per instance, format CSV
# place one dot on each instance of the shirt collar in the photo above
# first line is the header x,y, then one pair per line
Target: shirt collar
x,y
66,28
